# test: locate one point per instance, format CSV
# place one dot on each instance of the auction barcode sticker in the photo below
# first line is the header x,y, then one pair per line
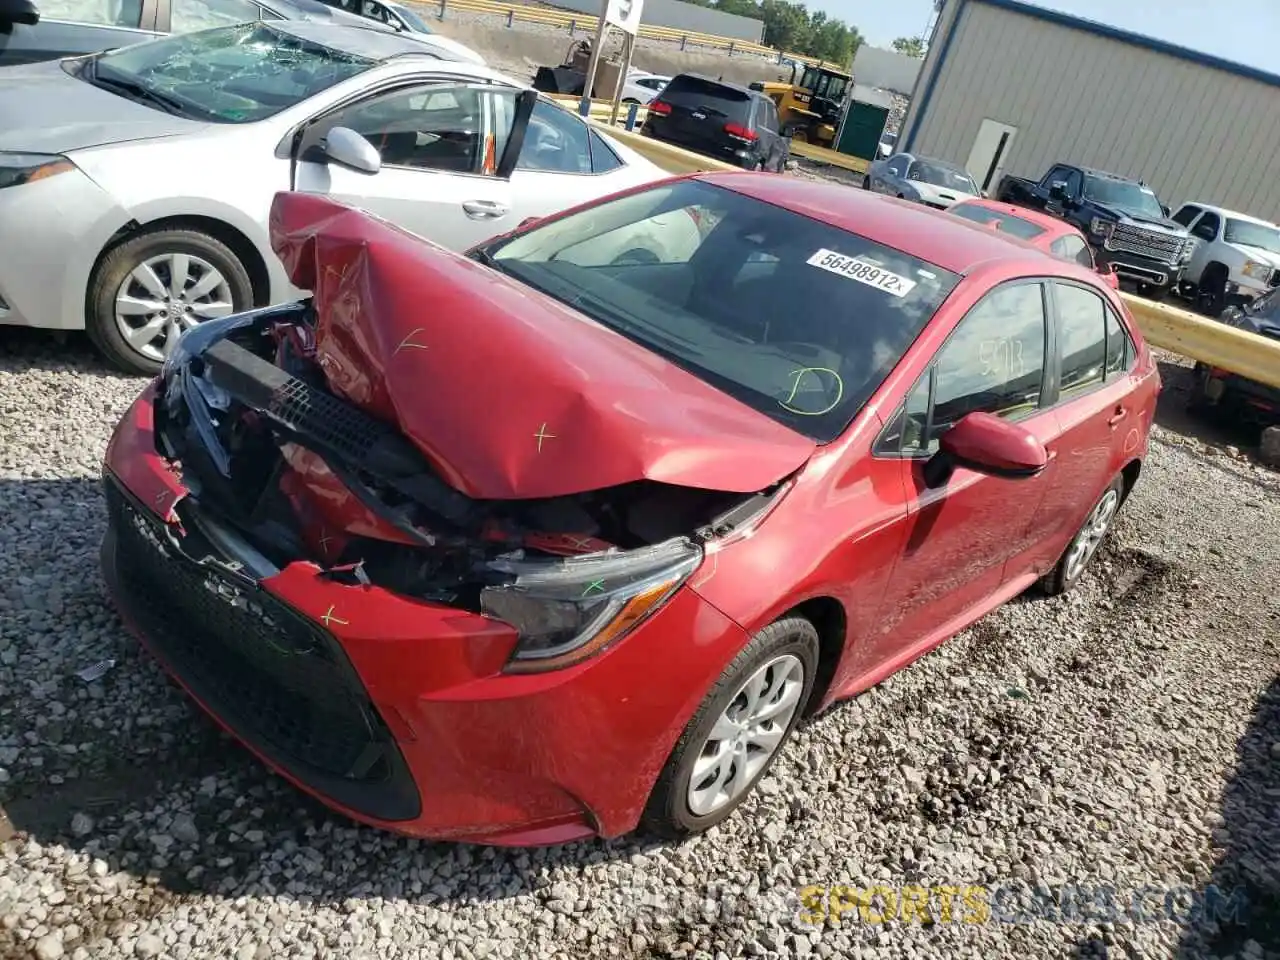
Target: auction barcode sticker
x,y
863,271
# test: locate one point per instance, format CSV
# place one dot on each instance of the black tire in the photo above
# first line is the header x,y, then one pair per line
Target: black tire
x,y
1211,296
124,258
667,813
866,183
758,166
1065,575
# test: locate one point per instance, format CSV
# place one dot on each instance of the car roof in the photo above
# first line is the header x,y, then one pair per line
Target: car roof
x,y
720,83
1104,175
1224,212
1050,225
368,38
947,241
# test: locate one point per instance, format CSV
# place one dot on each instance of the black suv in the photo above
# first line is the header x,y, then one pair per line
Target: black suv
x,y
721,120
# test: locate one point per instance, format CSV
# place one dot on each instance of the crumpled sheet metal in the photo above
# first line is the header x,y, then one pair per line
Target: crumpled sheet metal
x,y
510,394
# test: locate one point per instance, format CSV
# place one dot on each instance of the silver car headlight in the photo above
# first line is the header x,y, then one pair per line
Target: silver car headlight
x,y
19,168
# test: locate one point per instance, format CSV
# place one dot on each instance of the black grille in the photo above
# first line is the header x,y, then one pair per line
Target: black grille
x,y
275,678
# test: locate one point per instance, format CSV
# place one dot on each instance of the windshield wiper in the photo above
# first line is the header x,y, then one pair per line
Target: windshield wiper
x,y
136,91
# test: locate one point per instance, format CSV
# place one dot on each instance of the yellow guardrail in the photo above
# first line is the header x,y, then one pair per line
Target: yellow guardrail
x,y
1163,326
572,20
1178,331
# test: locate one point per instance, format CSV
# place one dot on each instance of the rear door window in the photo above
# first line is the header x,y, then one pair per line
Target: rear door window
x,y
707,96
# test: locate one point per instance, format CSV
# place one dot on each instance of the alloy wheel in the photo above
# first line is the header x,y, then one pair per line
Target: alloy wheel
x,y
1091,535
165,295
746,735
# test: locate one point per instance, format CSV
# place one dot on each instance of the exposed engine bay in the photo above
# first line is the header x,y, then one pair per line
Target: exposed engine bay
x,y
264,447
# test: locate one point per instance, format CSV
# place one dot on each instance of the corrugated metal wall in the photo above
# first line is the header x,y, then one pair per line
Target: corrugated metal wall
x,y
682,16
1190,131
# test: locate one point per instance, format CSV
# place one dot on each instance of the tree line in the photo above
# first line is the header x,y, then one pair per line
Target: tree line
x,y
791,27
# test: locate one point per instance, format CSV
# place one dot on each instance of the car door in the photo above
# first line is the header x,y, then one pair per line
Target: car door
x,y
442,147
1095,419
73,27
893,175
1204,231
961,534
771,142
188,16
562,162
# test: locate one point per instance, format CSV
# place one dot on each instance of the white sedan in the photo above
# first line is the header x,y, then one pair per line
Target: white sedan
x,y
141,179
642,87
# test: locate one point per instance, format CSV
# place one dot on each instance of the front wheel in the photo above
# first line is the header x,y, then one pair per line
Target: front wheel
x,y
737,732
152,287
1084,545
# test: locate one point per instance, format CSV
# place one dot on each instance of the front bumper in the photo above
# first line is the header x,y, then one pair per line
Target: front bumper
x,y
393,711
1157,274
53,231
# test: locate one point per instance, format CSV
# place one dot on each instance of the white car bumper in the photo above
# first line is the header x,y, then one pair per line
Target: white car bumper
x,y
51,233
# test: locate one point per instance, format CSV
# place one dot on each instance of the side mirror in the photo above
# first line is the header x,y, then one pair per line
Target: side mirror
x,y
1108,271
21,12
346,148
987,444
1165,209
1058,190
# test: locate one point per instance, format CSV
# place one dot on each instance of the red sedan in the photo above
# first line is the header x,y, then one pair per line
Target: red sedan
x,y
566,535
1053,236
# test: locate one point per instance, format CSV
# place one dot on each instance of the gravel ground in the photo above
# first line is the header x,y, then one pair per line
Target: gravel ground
x,y
1123,736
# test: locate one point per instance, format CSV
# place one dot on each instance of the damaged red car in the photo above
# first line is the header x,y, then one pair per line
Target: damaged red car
x,y
564,536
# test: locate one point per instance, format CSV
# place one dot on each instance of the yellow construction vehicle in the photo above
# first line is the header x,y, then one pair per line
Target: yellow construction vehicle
x,y
810,101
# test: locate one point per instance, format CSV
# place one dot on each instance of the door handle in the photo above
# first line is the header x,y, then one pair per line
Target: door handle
x,y
483,209
1113,421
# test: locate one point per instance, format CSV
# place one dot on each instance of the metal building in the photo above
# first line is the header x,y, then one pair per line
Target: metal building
x,y
1012,88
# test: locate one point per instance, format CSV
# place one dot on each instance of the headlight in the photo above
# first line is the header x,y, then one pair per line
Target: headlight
x,y
1188,248
568,610
1257,270
1100,227
19,168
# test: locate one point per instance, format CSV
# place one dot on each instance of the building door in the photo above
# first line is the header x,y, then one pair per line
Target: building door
x,y
859,136
990,151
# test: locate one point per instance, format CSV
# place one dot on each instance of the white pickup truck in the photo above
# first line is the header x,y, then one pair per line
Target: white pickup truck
x,y
1236,258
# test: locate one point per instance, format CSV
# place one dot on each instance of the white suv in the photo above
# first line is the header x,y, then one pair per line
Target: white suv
x,y
1236,258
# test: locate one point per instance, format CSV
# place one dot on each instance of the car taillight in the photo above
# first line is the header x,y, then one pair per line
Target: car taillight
x,y
660,108
739,132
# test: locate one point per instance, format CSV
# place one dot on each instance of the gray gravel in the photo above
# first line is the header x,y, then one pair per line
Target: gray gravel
x,y
1088,740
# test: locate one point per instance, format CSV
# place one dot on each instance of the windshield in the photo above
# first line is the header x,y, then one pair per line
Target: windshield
x,y
795,318
1124,194
823,84
234,74
941,175
1249,234
1007,222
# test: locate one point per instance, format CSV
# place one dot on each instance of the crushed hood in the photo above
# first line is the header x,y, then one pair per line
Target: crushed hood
x,y
510,394
43,109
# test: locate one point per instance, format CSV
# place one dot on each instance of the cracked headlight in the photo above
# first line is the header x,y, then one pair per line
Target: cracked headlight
x,y
1256,270
568,610
19,168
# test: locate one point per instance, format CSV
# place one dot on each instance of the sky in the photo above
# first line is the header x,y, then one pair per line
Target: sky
x,y
1245,31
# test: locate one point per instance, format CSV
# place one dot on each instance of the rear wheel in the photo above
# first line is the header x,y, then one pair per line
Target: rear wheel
x,y
738,731
866,183
1084,545
149,289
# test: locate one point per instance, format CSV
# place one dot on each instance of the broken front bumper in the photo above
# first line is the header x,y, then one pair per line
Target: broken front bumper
x,y
395,711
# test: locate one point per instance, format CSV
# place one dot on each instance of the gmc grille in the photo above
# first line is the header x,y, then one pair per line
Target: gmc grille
x,y
1152,244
